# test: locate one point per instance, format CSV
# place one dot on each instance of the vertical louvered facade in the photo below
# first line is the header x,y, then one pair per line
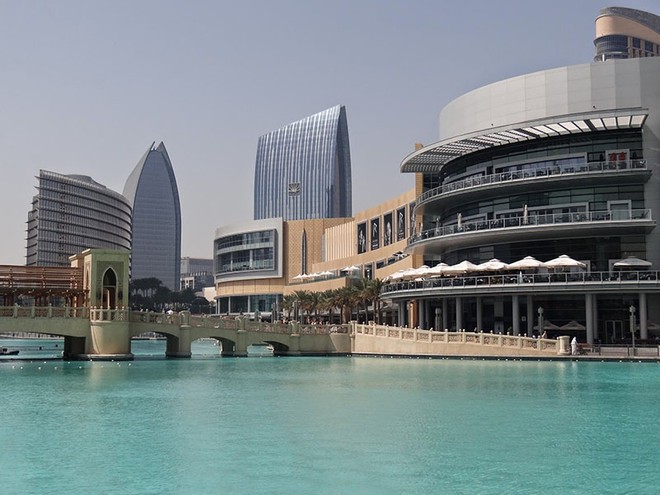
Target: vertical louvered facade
x,y
303,170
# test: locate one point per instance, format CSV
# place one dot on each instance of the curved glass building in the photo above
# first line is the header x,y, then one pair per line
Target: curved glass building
x,y
303,170
626,33
559,162
152,191
71,213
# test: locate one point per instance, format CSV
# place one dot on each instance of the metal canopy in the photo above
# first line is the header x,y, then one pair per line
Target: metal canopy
x,y
433,157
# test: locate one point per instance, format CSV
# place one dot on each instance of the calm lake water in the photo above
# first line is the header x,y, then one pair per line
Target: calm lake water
x,y
325,425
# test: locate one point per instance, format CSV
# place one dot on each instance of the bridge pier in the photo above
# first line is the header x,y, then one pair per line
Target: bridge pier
x,y
73,347
180,347
109,339
294,342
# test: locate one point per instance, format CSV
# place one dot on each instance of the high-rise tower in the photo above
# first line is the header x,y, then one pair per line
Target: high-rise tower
x,y
71,213
626,33
152,191
303,170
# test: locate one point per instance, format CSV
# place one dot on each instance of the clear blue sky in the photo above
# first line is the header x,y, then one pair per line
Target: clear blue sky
x,y
88,86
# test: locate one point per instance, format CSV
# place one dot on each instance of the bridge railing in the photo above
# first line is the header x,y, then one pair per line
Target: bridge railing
x,y
213,322
17,311
102,314
462,337
158,318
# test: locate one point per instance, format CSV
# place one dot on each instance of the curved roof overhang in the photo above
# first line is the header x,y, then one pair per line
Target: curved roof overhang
x,y
432,158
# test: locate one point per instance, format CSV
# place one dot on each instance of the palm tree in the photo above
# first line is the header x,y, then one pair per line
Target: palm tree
x,y
303,300
288,304
372,291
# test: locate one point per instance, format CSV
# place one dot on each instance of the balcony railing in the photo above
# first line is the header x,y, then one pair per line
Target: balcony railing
x,y
563,170
618,279
532,219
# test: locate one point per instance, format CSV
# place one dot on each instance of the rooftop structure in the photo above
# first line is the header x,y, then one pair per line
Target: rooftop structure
x,y
626,33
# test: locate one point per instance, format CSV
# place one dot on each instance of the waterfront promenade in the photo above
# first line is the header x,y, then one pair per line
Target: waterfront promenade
x,y
294,339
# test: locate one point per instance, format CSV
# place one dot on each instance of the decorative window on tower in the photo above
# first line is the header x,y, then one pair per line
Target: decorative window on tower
x,y
294,188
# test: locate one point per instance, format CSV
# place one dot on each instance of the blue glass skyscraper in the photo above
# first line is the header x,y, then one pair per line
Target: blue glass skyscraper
x,y
303,170
151,188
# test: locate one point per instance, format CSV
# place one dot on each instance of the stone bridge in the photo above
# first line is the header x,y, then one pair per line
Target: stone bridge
x,y
107,333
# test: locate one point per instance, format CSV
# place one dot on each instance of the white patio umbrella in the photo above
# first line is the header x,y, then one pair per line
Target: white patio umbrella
x,y
396,275
351,268
632,262
326,273
300,276
459,268
438,269
416,272
527,263
493,265
564,261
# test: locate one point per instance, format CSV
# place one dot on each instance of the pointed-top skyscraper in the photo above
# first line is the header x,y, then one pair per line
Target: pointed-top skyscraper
x,y
156,248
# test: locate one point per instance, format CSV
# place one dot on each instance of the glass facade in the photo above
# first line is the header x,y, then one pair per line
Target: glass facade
x,y
151,188
249,251
71,213
303,170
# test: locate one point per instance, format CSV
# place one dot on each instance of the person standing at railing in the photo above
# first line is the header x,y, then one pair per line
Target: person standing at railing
x,y
574,346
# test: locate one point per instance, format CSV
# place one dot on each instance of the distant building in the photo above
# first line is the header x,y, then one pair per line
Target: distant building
x,y
71,213
152,191
303,170
626,33
196,273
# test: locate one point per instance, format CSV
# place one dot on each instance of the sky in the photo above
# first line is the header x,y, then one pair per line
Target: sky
x,y
87,87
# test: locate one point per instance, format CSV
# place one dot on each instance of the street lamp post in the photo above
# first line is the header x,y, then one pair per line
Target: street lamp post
x,y
632,310
540,311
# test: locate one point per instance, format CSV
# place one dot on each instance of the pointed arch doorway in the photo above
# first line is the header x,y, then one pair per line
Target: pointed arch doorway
x,y
109,289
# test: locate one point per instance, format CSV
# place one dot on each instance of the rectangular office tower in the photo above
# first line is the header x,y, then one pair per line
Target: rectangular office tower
x,y
303,170
71,213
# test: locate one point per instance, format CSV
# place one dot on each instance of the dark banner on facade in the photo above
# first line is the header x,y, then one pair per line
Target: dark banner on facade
x,y
375,233
362,238
387,229
411,212
401,224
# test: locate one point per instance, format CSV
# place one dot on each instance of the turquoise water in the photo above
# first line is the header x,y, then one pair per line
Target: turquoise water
x,y
327,425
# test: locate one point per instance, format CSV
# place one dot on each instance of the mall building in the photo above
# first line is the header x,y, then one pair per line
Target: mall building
x,y
556,165
559,162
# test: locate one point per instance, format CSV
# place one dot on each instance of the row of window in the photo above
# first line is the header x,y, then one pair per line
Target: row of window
x,y
246,239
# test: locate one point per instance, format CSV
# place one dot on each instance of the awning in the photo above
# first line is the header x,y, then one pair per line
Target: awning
x,y
431,158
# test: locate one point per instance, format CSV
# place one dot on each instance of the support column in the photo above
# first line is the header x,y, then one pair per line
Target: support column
x,y
515,314
589,313
643,317
423,316
459,314
594,305
480,315
401,317
530,316
445,315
